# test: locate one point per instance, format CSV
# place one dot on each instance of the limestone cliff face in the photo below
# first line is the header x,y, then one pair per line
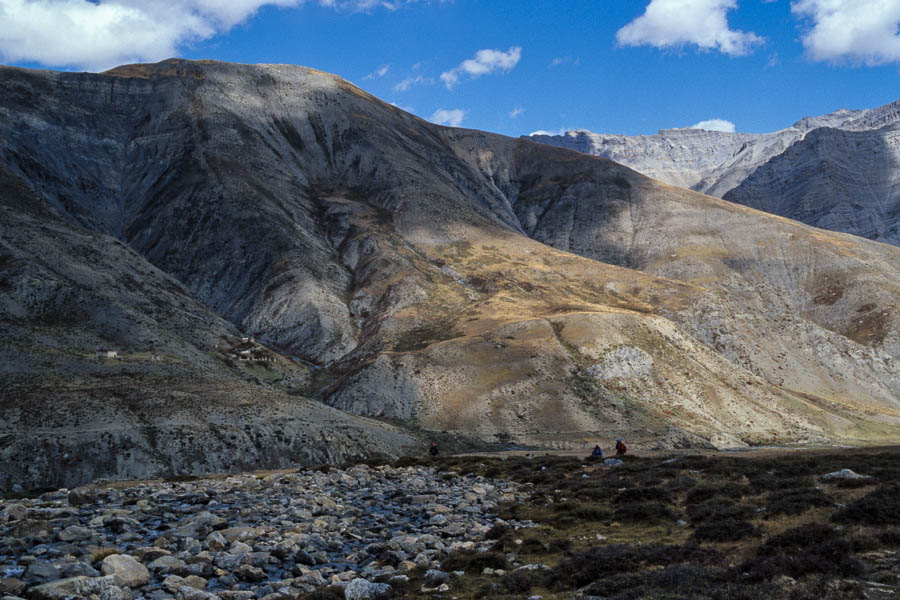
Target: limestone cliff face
x,y
725,165
448,279
839,180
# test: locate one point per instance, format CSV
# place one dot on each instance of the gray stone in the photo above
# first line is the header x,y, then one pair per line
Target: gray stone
x,y
613,462
362,589
10,586
63,589
843,474
250,573
14,512
167,565
79,496
215,541
74,533
40,571
129,571
434,576
186,592
80,568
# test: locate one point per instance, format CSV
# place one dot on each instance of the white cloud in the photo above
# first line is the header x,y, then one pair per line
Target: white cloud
x,y
485,61
365,5
714,125
515,112
444,116
379,72
562,60
675,23
411,81
860,31
98,34
560,131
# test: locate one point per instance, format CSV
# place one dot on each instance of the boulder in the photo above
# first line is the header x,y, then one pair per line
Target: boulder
x,y
41,571
363,589
250,573
216,542
14,512
10,586
74,533
187,592
167,565
435,577
130,572
80,496
80,586
233,534
843,474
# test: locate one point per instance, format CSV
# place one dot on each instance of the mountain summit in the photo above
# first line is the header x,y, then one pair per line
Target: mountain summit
x,y
442,279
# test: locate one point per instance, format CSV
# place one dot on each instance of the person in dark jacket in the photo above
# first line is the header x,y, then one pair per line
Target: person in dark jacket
x,y
433,450
597,451
621,448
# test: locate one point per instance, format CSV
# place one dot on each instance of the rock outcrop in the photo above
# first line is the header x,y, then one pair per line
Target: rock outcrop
x,y
452,280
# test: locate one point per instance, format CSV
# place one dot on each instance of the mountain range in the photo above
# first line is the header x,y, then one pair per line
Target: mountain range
x,y
293,271
839,171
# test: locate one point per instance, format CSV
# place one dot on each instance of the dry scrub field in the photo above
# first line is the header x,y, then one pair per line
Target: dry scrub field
x,y
701,526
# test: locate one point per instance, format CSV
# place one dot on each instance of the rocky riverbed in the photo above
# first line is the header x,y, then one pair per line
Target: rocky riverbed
x,y
246,536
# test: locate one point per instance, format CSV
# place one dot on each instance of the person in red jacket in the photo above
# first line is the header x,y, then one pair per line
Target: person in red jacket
x,y
621,449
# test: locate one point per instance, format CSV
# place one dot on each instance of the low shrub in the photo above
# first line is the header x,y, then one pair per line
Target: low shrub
x,y
880,507
719,509
702,493
594,493
890,538
853,484
645,512
474,562
766,482
833,558
643,494
798,538
532,546
497,531
795,502
726,530
808,549
682,484
671,582
521,581
604,561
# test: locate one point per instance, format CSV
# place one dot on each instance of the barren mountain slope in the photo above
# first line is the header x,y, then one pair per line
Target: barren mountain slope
x,y
397,254
717,163
172,404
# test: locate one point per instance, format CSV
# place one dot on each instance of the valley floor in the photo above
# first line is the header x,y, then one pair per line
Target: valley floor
x,y
766,523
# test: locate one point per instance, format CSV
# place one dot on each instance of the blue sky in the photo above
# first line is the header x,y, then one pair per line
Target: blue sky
x,y
512,67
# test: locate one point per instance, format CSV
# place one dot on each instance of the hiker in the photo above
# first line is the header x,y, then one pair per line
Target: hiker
x,y
597,451
433,450
621,449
